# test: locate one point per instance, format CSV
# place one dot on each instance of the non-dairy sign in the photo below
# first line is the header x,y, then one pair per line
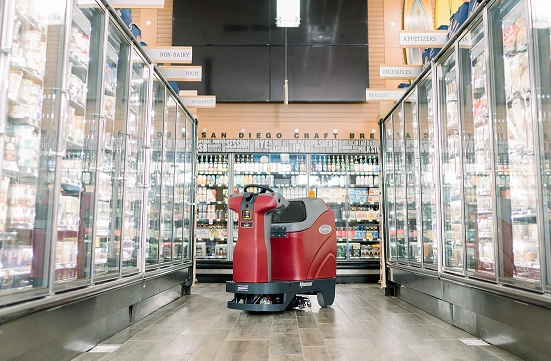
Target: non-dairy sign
x,y
173,54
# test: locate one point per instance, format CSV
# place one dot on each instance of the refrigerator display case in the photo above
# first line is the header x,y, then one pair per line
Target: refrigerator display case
x,y
514,146
167,182
399,184
212,210
483,151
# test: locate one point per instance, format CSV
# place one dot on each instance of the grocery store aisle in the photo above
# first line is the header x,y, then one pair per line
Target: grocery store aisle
x,y
362,324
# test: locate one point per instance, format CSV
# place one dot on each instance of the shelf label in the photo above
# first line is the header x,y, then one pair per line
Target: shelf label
x,y
423,39
173,54
383,95
400,71
138,4
201,101
182,73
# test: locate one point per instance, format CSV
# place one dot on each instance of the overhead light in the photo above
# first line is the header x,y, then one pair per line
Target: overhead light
x,y
288,13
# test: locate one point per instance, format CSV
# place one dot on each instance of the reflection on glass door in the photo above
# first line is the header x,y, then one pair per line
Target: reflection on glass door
x,y
78,167
29,137
112,154
451,165
155,169
400,184
541,16
516,182
413,195
389,200
477,170
135,163
167,182
179,184
427,157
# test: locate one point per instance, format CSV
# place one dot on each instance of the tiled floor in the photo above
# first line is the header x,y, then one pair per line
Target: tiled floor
x,y
362,324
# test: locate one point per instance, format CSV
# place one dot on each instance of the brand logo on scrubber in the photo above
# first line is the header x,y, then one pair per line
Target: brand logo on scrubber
x,y
325,229
306,284
242,287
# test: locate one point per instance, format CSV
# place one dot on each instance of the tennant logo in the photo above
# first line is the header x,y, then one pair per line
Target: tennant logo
x,y
242,287
325,229
306,284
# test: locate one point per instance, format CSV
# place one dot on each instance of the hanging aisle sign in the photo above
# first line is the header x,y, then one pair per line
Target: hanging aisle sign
x,y
200,101
182,73
423,39
400,71
383,95
173,54
138,4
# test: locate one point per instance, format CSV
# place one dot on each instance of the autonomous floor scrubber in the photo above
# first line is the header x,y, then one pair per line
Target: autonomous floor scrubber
x,y
285,248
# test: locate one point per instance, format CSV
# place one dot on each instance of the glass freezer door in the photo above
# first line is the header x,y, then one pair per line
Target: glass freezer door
x,y
155,169
477,162
189,191
400,184
112,154
167,182
515,163
179,183
541,15
451,164
29,141
428,173
78,167
413,195
390,193
135,163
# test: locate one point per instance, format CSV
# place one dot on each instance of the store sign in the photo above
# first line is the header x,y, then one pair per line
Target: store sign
x,y
423,39
201,101
173,54
400,71
182,73
329,146
138,4
383,95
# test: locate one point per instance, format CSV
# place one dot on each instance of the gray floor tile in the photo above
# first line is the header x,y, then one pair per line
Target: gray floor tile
x,y
311,337
315,353
244,350
285,325
283,344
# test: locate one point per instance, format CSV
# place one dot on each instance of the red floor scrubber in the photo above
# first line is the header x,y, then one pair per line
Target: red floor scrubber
x,y
284,248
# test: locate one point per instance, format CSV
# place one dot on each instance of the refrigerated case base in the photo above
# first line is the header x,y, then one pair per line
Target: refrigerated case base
x,y
520,326
84,319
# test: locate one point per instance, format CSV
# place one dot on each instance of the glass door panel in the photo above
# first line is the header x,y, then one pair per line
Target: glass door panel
x,y
179,184
212,209
516,182
451,165
413,195
189,191
152,246
134,173
400,183
390,194
109,215
78,167
167,185
428,173
331,186
541,15
29,138
287,175
477,170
